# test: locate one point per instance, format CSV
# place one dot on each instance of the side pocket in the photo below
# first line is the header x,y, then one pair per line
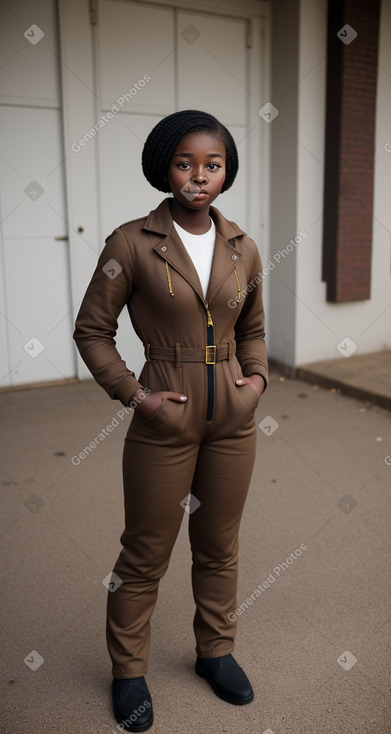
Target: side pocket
x,y
249,395
151,417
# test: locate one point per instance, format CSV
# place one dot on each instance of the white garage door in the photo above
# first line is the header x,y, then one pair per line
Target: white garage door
x,y
35,304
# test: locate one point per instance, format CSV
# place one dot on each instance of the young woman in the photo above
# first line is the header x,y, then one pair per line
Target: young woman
x,y
191,281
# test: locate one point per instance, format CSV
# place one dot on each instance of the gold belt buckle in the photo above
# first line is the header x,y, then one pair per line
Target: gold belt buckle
x,y
210,358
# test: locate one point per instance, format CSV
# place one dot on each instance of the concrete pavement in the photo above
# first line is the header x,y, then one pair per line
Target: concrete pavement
x,y
362,376
315,543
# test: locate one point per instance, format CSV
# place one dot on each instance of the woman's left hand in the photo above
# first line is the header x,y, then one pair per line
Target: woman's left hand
x,y
255,381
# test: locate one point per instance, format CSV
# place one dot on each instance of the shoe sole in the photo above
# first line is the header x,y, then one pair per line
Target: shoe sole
x,y
134,728
225,696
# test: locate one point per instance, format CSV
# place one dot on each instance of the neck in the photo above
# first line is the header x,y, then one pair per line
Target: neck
x,y
195,222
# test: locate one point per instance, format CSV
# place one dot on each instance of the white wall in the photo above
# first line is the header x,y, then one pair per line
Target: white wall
x,y
280,281
320,326
302,326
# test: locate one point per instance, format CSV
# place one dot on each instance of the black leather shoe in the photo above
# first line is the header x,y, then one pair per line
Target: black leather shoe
x,y
132,703
227,679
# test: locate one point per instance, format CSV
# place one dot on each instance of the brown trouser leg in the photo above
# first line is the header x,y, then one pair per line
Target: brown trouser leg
x,y
221,483
160,469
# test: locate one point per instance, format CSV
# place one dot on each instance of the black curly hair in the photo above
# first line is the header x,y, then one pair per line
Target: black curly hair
x,y
164,138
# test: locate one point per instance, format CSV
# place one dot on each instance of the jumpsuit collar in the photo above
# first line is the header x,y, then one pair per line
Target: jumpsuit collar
x,y
226,252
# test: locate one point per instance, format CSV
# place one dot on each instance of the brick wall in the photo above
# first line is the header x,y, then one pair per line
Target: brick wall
x,y
349,151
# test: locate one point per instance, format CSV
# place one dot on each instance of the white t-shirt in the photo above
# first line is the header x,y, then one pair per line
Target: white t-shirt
x,y
200,248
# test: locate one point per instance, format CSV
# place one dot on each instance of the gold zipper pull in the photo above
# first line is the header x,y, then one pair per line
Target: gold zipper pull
x,y
169,279
210,320
239,295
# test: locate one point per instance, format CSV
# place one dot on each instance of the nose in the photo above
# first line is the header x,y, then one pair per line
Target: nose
x,y
200,176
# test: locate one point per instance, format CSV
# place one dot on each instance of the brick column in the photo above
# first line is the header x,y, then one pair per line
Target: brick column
x,y
349,152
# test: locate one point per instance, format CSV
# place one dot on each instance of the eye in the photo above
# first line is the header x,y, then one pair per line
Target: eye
x,y
213,166
184,166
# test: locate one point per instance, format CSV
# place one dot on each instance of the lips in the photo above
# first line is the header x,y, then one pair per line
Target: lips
x,y
191,193
198,195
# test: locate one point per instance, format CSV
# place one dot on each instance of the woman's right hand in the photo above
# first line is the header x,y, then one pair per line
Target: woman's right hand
x,y
150,403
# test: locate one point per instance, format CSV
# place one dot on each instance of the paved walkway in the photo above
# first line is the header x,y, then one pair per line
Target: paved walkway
x,y
315,540
362,376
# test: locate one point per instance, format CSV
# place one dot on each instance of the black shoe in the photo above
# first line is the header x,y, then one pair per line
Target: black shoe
x,y
227,679
132,703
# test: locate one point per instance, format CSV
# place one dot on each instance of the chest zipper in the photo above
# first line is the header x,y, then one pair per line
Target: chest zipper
x,y
210,360
210,353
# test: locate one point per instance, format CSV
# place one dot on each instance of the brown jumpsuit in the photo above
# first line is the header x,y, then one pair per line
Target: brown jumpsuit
x,y
206,445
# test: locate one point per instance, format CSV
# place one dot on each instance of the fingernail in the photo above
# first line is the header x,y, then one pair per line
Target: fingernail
x,y
183,397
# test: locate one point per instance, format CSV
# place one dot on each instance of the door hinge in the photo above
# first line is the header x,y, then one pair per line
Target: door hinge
x,y
93,12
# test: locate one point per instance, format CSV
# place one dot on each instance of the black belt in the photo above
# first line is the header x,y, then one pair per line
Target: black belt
x,y
208,355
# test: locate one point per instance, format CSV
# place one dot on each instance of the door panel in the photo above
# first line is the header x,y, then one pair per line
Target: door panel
x,y
212,76
134,42
28,68
37,297
32,194
125,192
212,66
35,264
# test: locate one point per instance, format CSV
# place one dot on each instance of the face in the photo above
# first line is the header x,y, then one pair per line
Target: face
x,y
197,170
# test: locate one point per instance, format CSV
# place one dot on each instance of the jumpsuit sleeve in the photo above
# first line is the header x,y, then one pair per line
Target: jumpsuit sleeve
x,y
97,321
250,326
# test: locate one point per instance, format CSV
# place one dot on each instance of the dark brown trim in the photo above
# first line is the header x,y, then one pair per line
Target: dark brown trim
x,y
349,149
